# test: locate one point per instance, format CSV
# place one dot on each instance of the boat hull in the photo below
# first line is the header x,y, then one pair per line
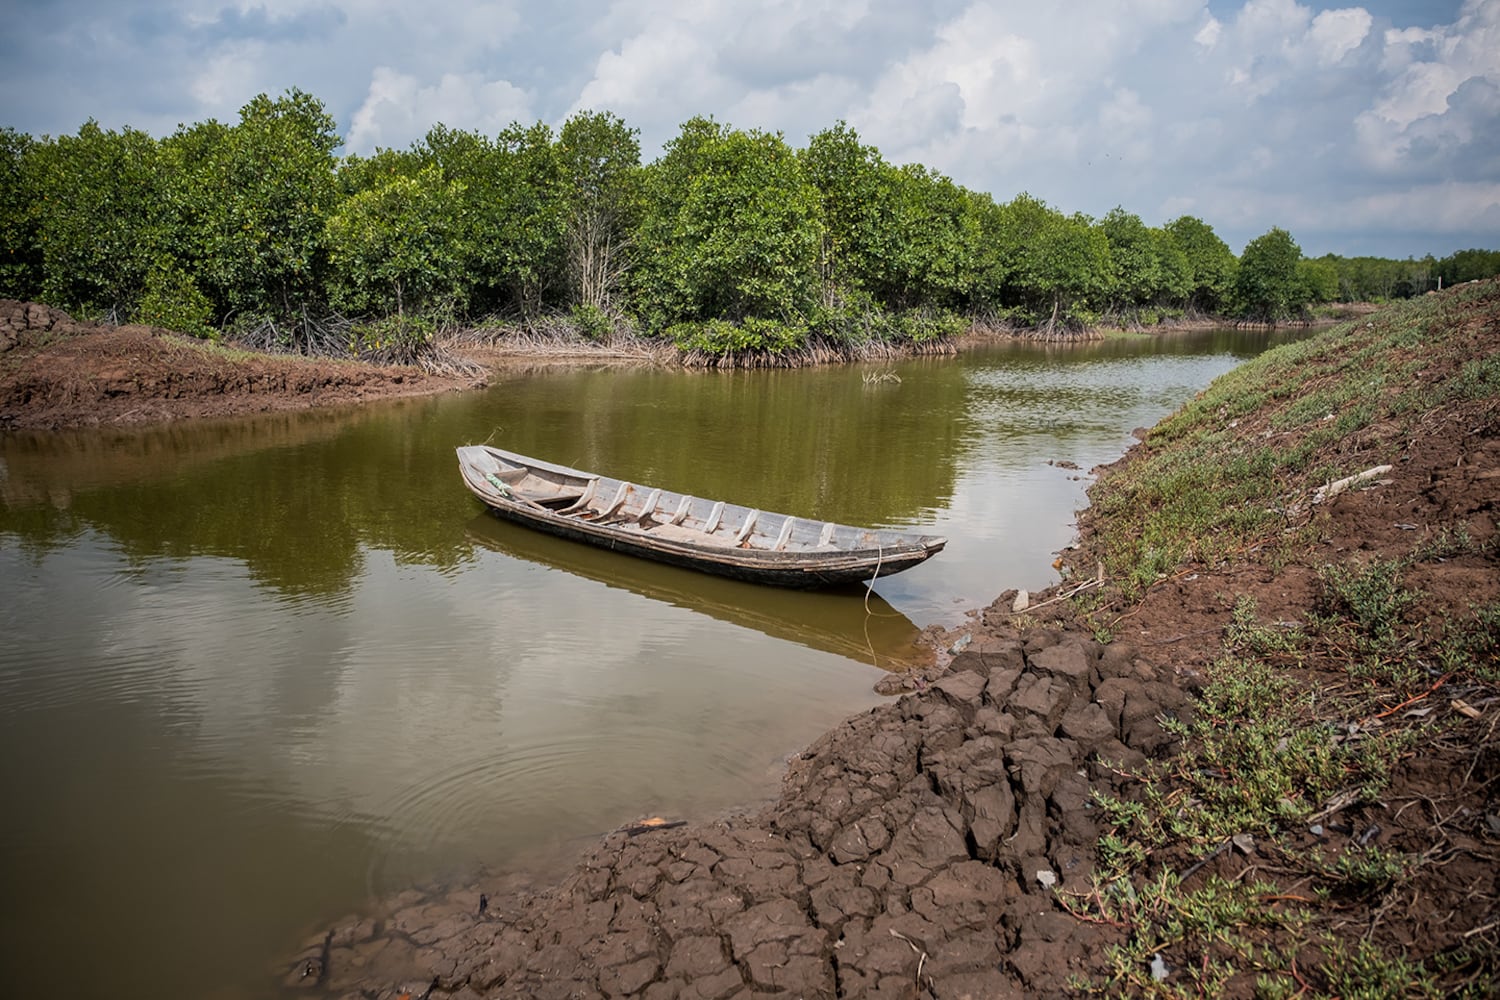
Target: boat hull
x,y
707,536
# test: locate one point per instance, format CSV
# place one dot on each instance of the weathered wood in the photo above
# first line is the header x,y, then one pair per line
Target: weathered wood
x,y
714,517
582,501
565,502
786,533
747,527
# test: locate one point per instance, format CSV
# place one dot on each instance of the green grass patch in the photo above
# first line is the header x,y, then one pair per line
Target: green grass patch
x,y
1225,472
1297,720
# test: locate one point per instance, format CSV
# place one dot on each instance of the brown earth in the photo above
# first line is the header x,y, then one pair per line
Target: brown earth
x,y
56,372
914,851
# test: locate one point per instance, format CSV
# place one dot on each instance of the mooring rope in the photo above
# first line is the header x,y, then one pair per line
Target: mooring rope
x,y
879,558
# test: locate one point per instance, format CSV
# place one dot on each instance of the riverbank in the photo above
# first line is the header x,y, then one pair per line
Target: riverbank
x,y
56,373
1249,748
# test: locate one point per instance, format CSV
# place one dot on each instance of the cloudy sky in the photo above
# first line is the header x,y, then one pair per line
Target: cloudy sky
x,y
1361,129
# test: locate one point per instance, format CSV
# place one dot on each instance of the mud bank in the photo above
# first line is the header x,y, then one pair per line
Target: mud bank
x,y
56,373
913,849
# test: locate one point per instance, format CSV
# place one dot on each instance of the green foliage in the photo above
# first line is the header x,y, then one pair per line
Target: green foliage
x,y
100,217
1369,279
720,338
401,339
592,322
601,176
858,210
20,263
933,237
1473,644
1371,598
1217,919
1269,285
1210,261
171,300
396,247
1266,751
732,232
1058,265
511,214
1246,635
1175,287
530,213
1151,268
1468,265
1321,278
1136,259
361,173
1368,973
251,202
258,220
921,326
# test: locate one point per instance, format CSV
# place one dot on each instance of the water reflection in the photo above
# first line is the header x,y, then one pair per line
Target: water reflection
x,y
847,621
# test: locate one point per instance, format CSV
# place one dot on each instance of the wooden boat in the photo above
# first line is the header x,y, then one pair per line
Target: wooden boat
x,y
708,535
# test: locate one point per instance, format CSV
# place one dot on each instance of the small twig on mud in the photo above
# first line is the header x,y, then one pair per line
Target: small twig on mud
x,y
921,961
1060,597
1203,861
1298,976
1479,750
1339,801
1481,929
1415,698
1118,772
1079,915
1185,635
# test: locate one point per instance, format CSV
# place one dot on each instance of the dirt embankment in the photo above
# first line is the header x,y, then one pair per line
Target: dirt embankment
x,y
57,373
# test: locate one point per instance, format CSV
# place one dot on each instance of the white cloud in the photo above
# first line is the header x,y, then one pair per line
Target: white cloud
x,y
399,109
1208,35
652,68
1336,33
1438,106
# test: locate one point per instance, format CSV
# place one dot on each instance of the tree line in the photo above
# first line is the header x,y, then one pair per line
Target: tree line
x,y
732,242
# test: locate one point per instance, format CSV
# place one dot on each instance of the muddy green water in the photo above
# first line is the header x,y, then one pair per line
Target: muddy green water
x,y
255,675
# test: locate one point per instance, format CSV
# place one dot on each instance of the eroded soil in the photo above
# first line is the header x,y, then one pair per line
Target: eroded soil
x,y
58,373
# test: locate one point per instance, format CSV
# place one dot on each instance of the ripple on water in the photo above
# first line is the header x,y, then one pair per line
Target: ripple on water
x,y
514,799
91,623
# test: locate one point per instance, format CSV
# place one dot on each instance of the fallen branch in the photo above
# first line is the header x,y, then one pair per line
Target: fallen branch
x,y
1333,489
1414,699
1098,581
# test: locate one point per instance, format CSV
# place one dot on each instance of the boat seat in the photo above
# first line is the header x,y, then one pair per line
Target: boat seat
x,y
583,498
604,515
